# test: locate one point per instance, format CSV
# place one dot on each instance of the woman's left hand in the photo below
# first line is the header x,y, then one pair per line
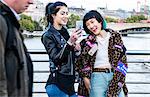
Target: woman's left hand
x,y
77,47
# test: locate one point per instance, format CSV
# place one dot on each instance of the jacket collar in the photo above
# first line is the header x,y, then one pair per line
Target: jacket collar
x,y
53,30
15,13
8,12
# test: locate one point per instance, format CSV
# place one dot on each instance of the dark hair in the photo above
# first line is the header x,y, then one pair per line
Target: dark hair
x,y
47,8
92,14
53,8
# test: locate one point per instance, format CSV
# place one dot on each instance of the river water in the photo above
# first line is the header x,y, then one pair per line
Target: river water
x,y
132,42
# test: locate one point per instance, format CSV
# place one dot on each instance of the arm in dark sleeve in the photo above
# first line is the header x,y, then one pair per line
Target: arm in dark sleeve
x,y
83,69
3,79
56,54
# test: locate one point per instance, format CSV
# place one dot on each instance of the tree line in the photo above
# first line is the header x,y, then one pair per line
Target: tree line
x,y
28,24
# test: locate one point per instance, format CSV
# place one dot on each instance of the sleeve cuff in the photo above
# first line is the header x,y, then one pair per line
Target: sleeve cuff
x,y
69,43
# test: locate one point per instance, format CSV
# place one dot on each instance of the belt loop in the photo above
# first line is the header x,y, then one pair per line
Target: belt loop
x,y
108,70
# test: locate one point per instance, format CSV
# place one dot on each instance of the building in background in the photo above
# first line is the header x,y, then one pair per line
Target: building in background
x,y
116,14
145,9
77,11
36,10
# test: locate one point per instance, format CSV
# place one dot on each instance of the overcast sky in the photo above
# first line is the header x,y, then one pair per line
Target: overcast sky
x,y
111,4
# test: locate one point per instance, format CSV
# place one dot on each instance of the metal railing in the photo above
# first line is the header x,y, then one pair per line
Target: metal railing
x,y
138,76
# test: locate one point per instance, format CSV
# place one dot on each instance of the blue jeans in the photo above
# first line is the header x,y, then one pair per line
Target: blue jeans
x,y
53,91
99,84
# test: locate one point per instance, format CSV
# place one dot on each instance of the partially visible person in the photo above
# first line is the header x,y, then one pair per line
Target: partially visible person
x,y
16,69
102,63
62,50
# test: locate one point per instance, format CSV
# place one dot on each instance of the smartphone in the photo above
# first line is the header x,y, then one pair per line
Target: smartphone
x,y
79,24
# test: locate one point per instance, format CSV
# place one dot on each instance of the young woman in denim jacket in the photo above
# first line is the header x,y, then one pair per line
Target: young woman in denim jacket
x,y
61,50
102,63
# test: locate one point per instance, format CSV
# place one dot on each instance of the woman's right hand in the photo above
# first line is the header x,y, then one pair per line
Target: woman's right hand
x,y
87,83
74,36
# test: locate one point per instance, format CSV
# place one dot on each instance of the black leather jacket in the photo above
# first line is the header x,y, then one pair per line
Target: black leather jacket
x,y
60,53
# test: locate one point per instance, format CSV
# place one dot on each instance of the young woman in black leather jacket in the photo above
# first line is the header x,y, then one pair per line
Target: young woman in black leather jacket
x,y
62,50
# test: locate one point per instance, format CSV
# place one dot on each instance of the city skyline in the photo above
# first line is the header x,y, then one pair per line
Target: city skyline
x,y
128,5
